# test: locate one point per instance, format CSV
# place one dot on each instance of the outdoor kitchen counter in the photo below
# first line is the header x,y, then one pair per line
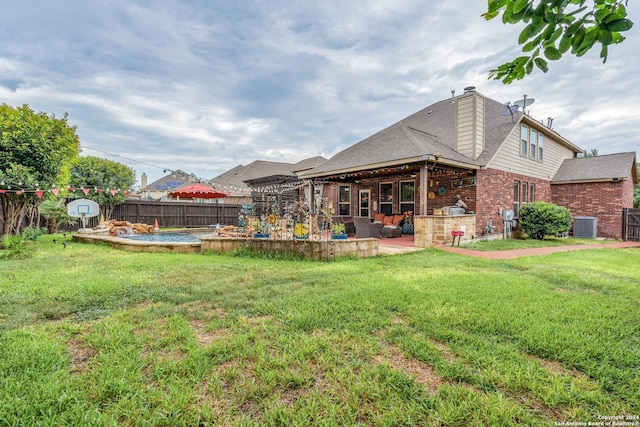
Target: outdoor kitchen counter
x,y
436,229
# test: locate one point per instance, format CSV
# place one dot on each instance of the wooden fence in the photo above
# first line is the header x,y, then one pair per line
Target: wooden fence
x,y
170,214
176,214
631,225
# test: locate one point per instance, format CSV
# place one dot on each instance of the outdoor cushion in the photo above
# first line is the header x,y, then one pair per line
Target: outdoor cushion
x,y
378,217
388,220
397,219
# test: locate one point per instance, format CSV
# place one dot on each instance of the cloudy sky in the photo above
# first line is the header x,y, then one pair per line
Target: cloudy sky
x,y
202,86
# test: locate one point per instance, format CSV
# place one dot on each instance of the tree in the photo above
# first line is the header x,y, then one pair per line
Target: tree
x,y
36,152
556,27
591,153
55,212
101,176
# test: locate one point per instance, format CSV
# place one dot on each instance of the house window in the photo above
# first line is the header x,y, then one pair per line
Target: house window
x,y
540,144
386,198
533,152
516,197
344,200
407,196
524,136
525,188
532,192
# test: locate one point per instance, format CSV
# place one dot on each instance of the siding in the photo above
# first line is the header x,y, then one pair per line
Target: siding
x,y
470,125
508,157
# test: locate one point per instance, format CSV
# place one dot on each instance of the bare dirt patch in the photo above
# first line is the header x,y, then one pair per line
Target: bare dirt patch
x,y
81,355
422,373
204,336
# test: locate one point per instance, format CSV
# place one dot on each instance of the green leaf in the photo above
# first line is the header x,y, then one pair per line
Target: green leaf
x,y
565,44
541,64
529,67
619,25
604,52
519,6
552,53
576,41
588,41
604,36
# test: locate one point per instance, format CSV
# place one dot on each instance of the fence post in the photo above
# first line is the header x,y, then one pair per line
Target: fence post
x,y
625,214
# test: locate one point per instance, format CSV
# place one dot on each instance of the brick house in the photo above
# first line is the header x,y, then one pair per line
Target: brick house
x,y
477,152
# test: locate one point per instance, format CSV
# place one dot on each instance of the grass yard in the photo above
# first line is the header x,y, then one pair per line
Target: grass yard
x,y
90,335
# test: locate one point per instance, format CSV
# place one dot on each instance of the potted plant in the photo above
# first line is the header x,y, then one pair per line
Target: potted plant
x,y
338,231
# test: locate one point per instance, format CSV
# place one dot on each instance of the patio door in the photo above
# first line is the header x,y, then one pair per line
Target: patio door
x,y
364,202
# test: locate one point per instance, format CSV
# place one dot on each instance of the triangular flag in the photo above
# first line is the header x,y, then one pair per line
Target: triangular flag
x,y
3,191
19,191
39,193
113,192
99,190
85,191
55,191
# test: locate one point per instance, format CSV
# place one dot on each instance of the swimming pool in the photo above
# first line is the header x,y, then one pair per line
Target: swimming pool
x,y
164,237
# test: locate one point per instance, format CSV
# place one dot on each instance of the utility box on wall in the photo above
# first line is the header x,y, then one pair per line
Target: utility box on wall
x,y
585,226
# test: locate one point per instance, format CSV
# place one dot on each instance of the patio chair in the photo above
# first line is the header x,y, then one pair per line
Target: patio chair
x,y
365,228
349,228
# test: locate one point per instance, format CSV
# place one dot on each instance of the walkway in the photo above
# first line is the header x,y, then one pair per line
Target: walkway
x,y
519,253
404,244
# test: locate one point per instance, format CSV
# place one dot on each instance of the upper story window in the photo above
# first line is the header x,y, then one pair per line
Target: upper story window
x,y
540,146
531,143
533,140
344,200
524,136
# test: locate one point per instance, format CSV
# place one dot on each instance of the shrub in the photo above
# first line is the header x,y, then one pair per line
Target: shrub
x,y
540,219
16,247
32,233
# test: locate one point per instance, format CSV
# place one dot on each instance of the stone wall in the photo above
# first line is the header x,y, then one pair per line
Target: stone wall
x,y
313,249
436,230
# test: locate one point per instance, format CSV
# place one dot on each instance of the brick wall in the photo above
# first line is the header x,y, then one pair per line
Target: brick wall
x,y
602,200
495,191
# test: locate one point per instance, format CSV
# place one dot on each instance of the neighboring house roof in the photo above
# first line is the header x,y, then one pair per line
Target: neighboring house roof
x,y
429,132
258,169
609,167
170,182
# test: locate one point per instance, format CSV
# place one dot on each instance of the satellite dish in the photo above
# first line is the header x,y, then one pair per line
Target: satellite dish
x,y
509,109
524,102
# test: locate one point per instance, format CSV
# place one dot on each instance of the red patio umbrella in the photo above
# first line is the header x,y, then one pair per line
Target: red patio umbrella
x,y
197,191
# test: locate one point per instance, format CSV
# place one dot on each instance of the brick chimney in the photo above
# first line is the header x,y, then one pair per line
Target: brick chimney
x,y
143,180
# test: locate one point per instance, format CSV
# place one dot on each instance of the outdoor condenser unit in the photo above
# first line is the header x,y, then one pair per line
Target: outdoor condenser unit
x,y
585,226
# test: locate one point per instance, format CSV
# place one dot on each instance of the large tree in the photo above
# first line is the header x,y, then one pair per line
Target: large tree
x,y
36,153
105,182
557,27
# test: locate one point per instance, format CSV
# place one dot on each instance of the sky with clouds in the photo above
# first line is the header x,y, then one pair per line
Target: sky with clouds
x,y
203,86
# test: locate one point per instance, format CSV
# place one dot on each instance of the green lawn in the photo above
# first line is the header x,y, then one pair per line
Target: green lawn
x,y
90,335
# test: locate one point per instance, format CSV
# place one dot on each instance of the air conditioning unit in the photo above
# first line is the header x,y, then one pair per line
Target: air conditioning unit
x,y
585,226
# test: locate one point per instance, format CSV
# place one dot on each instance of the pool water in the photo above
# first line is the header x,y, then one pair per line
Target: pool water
x,y
165,237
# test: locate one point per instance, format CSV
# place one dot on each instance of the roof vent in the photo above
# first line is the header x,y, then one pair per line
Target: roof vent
x,y
469,89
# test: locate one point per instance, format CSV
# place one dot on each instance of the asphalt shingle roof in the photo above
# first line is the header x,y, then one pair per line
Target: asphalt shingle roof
x,y
429,131
597,168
